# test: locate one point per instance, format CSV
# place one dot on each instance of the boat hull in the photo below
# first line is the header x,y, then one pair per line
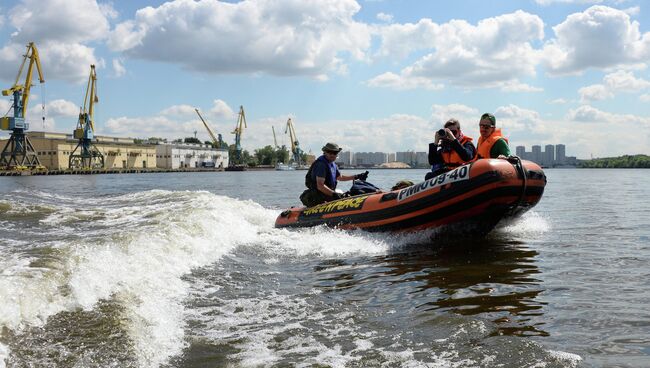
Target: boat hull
x,y
472,199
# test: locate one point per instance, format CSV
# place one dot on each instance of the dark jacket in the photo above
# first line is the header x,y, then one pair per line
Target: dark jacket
x,y
467,152
312,196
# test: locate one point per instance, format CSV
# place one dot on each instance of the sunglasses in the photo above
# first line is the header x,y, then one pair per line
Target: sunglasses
x,y
332,153
486,126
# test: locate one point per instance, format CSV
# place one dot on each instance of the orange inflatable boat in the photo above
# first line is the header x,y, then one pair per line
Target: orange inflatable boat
x,y
470,199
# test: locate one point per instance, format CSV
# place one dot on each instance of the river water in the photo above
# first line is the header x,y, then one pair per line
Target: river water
x,y
187,270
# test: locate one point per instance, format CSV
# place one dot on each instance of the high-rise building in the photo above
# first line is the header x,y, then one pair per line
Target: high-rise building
x,y
560,154
536,155
549,155
422,159
370,158
520,151
391,157
407,157
344,158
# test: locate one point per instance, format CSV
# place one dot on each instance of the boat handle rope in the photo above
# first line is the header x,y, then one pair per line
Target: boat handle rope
x,y
516,162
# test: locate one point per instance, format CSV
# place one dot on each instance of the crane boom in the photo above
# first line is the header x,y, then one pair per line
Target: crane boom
x,y
239,129
207,127
275,140
91,97
19,152
295,145
85,155
32,55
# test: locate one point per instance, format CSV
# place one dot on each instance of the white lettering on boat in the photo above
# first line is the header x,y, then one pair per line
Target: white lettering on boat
x,y
455,175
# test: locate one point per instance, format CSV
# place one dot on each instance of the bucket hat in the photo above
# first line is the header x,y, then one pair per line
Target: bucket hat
x,y
332,147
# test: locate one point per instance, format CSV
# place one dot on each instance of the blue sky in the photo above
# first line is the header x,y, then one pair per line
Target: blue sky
x,y
369,75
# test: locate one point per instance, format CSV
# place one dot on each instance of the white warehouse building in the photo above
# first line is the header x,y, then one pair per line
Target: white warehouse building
x,y
190,155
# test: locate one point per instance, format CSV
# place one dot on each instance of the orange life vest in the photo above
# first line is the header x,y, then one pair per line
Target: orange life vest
x,y
485,145
451,158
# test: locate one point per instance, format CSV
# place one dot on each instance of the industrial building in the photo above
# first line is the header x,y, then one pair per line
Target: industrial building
x,y
54,149
186,155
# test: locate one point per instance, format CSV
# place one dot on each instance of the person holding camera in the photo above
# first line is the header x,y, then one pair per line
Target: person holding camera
x,y
322,177
450,149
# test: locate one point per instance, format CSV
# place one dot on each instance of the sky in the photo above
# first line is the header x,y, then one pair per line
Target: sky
x,y
369,75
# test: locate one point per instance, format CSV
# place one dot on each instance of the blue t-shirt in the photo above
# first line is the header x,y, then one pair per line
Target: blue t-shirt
x,y
320,170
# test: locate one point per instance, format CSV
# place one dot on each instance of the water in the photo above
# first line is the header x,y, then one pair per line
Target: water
x,y
186,270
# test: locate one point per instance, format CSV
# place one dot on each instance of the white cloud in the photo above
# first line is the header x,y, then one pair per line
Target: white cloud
x,y
619,81
5,106
68,62
589,114
550,2
392,80
58,108
68,21
635,10
118,67
152,126
599,37
558,101
180,111
177,121
258,36
595,92
645,97
388,18
463,113
514,118
60,30
625,81
398,132
516,86
494,53
55,110
220,109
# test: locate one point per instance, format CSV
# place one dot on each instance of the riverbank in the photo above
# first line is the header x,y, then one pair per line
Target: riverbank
x,y
114,171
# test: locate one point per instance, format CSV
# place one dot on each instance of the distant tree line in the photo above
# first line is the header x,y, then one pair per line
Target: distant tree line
x,y
627,161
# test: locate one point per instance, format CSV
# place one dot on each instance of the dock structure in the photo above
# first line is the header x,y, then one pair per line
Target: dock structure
x,y
40,172
55,149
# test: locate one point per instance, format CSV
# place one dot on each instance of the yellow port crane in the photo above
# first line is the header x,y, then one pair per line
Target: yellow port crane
x,y
295,146
19,153
217,142
236,162
86,155
275,140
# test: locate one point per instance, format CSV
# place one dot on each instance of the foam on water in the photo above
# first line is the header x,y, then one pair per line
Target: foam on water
x,y
135,248
530,224
135,251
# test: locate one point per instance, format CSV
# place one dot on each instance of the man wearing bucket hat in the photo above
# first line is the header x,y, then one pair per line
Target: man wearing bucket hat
x,y
491,144
322,177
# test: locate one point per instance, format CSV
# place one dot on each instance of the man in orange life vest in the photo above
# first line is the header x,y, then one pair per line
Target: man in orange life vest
x,y
491,144
450,150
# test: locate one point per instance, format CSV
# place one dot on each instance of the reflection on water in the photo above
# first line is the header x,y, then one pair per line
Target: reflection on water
x,y
492,279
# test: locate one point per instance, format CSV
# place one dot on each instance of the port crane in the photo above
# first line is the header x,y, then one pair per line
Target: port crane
x,y
239,129
19,153
216,141
86,155
275,140
295,146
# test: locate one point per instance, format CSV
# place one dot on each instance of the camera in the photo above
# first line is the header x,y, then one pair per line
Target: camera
x,y
442,133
